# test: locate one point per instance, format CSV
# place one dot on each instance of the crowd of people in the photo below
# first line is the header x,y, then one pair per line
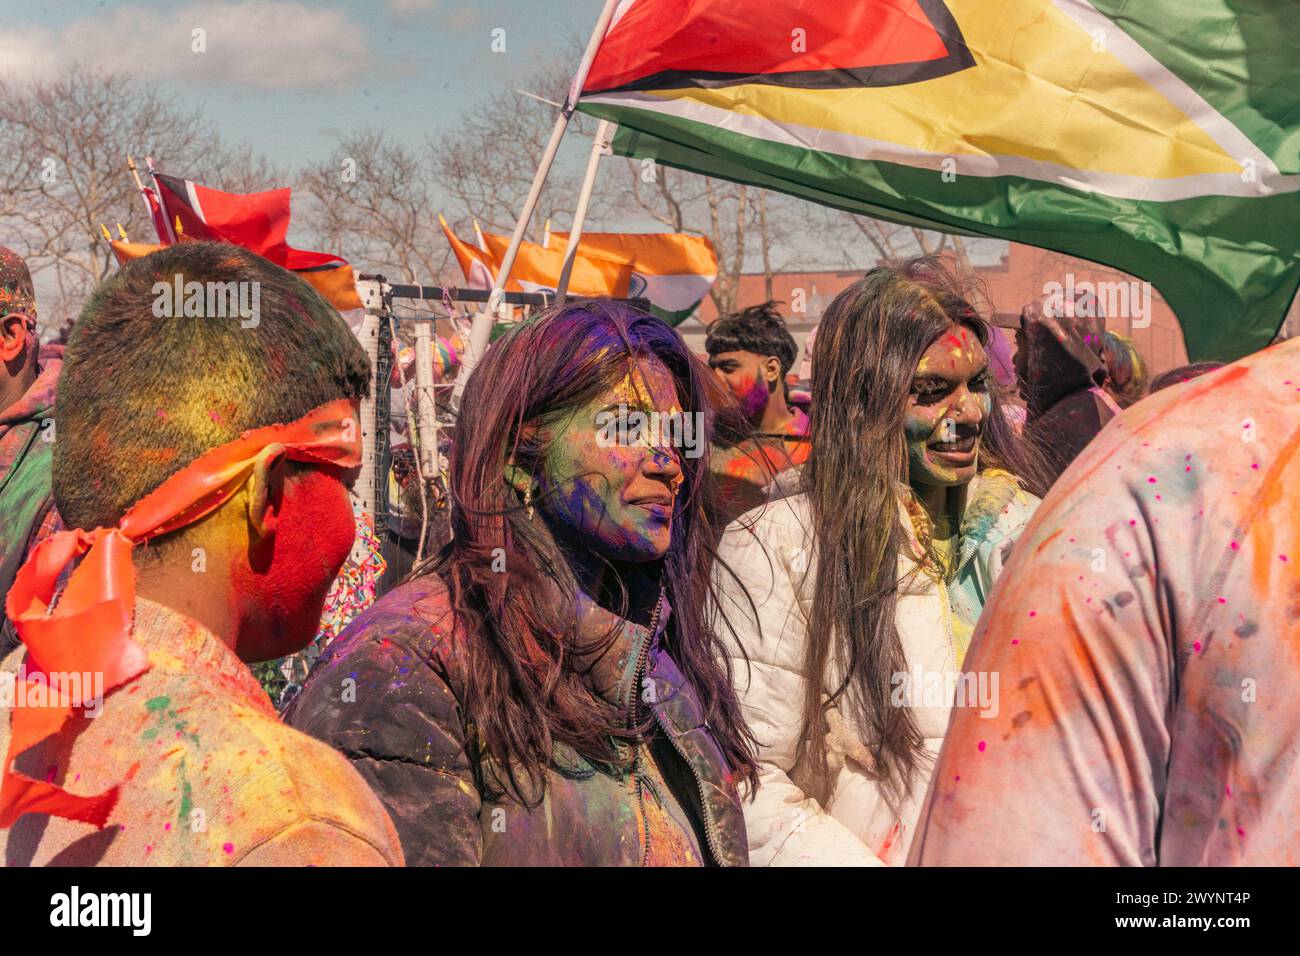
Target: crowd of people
x,y
956,607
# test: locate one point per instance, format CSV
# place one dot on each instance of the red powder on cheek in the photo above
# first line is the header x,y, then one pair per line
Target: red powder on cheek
x,y
314,533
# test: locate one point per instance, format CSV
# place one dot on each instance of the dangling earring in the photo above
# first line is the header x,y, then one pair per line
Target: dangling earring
x,y
528,501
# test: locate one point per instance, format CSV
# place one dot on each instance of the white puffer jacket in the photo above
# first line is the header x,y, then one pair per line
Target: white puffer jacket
x,y
770,549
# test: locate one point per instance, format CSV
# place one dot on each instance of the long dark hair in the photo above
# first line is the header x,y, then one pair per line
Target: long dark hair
x,y
868,346
523,693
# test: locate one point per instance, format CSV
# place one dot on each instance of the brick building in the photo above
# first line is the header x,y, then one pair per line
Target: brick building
x,y
1022,274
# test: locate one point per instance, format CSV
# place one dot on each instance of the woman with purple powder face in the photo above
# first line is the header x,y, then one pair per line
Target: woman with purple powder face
x,y
546,690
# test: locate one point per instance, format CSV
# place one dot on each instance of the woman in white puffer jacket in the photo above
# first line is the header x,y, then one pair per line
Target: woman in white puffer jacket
x,y
872,579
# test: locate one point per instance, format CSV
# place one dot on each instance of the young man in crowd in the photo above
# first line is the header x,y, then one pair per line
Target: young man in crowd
x,y
1061,370
204,455
752,352
27,380
1144,635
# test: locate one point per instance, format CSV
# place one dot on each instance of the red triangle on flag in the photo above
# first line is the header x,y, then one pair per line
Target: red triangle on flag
x,y
667,44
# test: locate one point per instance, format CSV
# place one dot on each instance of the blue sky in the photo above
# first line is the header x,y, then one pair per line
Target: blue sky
x,y
289,77
284,75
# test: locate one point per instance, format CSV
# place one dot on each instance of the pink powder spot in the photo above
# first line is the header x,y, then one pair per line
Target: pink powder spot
x,y
1228,789
1158,498
1223,600
1235,546
1132,522
1255,467
148,849
1015,640
958,777
1188,468
228,847
1240,832
1281,557
1033,614
167,826
1196,646
215,417
1245,424
1151,480
1187,458
982,746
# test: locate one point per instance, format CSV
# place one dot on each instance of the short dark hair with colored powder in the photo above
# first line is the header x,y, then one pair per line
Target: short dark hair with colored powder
x,y
759,329
141,396
1184,373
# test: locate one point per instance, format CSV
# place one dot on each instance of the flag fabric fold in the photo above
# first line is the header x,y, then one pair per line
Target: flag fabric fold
x,y
536,268
258,222
1104,129
672,271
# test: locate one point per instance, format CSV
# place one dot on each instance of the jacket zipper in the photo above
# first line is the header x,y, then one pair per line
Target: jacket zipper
x,y
710,828
710,832
637,678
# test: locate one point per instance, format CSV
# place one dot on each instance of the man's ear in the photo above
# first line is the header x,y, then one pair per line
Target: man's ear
x,y
266,493
772,369
13,336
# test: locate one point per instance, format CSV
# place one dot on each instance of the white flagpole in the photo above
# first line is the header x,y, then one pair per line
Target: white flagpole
x,y
481,330
600,147
162,206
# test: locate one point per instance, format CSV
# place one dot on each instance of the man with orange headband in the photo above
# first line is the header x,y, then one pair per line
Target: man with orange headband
x,y
27,380
207,434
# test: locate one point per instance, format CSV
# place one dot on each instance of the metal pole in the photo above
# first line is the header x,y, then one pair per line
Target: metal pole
x,y
599,147
364,494
481,330
426,423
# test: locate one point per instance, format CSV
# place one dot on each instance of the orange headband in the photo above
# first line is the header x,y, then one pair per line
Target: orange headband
x,y
90,629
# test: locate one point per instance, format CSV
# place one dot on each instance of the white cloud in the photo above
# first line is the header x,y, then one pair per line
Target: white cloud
x,y
410,8
462,18
266,44
457,18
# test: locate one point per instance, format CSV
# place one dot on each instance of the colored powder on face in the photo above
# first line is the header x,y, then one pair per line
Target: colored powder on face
x,y
982,745
753,401
228,847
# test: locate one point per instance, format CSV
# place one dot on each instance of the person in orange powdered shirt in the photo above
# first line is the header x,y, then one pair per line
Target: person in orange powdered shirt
x,y
205,450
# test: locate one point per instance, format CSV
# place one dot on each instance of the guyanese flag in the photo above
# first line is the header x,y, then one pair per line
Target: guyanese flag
x,y
1159,137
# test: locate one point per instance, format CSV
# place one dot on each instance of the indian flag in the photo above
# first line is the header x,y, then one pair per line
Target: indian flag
x,y
1159,137
671,270
536,268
